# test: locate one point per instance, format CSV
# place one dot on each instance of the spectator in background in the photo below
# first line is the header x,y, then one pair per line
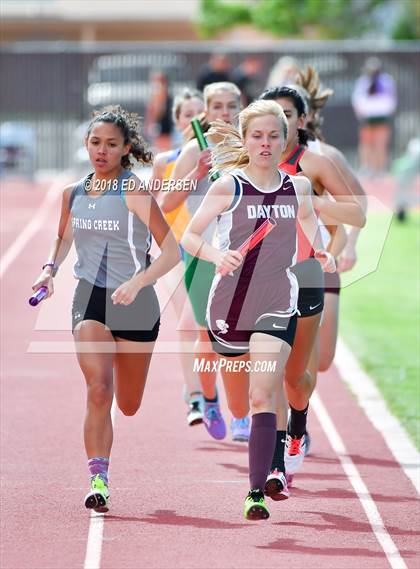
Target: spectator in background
x,y
17,150
406,170
374,102
158,120
284,72
246,77
217,69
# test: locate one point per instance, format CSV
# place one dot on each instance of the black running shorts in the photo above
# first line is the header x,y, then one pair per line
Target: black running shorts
x,y
283,328
138,322
310,277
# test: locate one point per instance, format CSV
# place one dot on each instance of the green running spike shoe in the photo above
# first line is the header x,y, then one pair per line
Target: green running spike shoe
x,y
97,499
255,508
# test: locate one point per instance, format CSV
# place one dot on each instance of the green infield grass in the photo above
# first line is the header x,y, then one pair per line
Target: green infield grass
x,y
380,313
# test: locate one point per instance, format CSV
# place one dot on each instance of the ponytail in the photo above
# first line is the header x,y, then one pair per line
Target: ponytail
x,y
229,151
317,98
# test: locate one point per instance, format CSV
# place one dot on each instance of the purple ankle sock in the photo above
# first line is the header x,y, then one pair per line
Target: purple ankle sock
x,y
262,442
99,465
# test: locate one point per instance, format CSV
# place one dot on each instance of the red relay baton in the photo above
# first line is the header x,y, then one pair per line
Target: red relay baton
x,y
253,240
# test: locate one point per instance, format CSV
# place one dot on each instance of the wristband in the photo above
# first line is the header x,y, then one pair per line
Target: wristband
x,y
53,266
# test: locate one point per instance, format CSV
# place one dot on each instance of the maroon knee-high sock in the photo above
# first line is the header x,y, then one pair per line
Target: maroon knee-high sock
x,y
262,442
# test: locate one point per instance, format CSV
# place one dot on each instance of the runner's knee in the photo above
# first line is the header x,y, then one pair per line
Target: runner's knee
x,y
298,382
100,394
261,398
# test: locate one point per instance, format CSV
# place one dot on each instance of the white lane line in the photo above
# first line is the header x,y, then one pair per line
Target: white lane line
x,y
38,220
371,401
68,347
96,527
369,506
94,542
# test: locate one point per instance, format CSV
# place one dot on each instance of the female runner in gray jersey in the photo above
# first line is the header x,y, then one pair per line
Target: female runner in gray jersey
x,y
254,309
111,219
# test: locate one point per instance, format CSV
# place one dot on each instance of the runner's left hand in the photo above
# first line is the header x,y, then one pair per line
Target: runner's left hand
x,y
126,293
327,261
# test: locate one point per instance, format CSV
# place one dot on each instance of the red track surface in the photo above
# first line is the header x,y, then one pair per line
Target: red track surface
x,y
177,495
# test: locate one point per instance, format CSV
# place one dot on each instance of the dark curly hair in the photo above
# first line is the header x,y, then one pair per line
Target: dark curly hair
x,y
129,125
293,95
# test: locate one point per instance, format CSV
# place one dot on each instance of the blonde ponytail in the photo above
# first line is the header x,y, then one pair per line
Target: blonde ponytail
x,y
310,81
317,98
228,151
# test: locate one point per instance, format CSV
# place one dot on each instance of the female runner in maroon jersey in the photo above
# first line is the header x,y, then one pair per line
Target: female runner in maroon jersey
x,y
251,313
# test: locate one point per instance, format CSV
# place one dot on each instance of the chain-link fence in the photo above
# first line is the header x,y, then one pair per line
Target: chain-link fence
x,y
53,88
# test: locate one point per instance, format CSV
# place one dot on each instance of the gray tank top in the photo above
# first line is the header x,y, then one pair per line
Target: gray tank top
x,y
112,244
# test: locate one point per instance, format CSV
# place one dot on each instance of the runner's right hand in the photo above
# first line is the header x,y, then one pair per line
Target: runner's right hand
x,y
44,279
228,261
203,164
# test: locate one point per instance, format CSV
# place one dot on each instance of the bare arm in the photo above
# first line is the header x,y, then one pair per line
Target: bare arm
x,y
61,245
218,199
348,255
192,165
306,213
309,222
337,233
158,173
345,208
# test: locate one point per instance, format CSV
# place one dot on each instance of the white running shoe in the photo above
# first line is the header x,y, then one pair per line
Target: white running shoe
x,y
195,411
276,486
294,453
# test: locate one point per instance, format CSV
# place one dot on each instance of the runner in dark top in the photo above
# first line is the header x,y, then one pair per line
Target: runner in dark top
x,y
343,208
